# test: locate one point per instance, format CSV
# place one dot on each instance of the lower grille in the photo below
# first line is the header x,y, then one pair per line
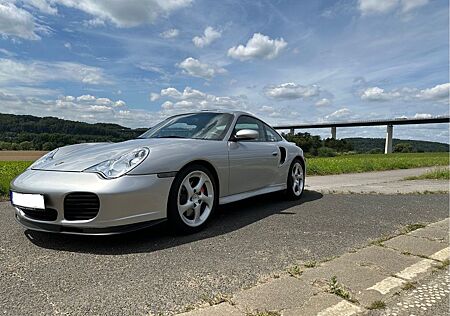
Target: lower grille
x,y
48,214
81,206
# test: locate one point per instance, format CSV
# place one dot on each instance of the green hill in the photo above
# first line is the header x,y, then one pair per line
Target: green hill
x,y
26,132
366,145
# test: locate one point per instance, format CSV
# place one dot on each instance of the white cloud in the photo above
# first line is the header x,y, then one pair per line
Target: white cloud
x,y
154,96
408,5
85,108
43,6
171,33
291,91
191,100
209,35
323,102
423,115
341,114
383,6
126,13
195,68
68,45
12,71
377,6
259,46
17,22
437,93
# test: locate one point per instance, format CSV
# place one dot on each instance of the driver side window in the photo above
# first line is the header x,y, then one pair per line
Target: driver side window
x,y
247,122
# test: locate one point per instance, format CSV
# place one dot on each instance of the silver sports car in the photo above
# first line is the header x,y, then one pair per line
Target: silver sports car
x,y
179,170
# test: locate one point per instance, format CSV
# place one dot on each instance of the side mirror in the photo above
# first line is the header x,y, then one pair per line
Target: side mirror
x,y
246,134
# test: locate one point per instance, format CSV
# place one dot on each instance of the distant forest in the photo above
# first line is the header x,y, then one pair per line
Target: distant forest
x,y
26,132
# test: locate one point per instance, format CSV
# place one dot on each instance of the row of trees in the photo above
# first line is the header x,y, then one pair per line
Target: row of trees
x,y
315,146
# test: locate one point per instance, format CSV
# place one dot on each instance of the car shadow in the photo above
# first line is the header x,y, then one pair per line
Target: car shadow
x,y
228,218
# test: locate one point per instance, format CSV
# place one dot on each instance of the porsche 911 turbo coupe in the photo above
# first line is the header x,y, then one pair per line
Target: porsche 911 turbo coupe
x,y
179,170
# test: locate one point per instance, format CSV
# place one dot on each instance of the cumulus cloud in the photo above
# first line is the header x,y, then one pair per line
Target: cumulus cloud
x,y
209,35
171,33
259,46
383,6
341,114
195,68
85,108
422,116
191,99
290,91
126,13
17,22
14,71
437,93
43,6
323,102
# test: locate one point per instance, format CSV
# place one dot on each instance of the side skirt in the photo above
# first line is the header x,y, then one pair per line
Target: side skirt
x,y
245,195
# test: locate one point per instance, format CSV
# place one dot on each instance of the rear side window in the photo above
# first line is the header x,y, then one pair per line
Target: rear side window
x,y
271,134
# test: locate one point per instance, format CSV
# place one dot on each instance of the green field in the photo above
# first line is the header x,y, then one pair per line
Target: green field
x,y
8,171
315,166
374,162
437,174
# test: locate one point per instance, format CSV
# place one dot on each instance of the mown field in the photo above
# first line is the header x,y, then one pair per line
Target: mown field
x,y
374,162
315,166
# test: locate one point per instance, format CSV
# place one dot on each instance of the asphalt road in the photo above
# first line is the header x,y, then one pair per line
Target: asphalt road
x,y
155,271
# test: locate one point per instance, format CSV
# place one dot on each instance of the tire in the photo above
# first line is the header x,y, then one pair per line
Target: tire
x,y
296,180
191,203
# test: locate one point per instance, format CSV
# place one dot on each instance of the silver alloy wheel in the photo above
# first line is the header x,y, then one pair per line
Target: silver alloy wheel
x,y
195,198
297,179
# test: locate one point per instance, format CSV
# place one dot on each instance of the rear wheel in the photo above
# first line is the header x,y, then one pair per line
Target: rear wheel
x,y
192,199
296,180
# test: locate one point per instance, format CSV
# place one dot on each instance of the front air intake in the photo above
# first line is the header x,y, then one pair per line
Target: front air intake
x,y
80,206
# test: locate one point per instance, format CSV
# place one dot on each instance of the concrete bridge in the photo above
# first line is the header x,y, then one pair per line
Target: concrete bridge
x,y
388,123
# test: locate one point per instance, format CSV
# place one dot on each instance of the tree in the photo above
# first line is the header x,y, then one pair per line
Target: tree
x,y
403,148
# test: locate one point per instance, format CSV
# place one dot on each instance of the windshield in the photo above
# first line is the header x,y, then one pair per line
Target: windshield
x,y
212,126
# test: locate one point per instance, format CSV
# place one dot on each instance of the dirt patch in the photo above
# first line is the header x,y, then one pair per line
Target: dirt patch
x,y
23,155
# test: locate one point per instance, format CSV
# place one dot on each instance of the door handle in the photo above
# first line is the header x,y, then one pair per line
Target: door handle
x,y
275,153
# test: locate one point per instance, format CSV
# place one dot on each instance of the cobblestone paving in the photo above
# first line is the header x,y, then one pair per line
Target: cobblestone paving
x,y
430,297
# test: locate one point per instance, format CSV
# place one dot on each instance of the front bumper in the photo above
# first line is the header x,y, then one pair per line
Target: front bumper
x,y
126,203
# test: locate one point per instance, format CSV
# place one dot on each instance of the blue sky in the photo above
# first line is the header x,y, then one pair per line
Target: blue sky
x,y
135,62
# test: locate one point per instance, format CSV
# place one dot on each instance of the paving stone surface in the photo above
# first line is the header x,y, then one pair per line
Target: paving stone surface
x,y
388,261
414,245
314,305
222,309
278,294
437,231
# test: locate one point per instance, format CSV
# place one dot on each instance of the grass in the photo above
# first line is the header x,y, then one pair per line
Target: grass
x,y
412,227
374,162
377,305
408,286
337,289
295,271
437,174
8,171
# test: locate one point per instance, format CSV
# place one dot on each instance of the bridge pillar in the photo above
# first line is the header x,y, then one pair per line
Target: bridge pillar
x,y
333,132
292,131
388,144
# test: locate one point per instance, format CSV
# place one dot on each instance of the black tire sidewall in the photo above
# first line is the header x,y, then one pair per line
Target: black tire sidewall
x,y
173,215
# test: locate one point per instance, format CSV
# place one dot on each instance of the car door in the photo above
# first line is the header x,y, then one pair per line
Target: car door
x,y
253,163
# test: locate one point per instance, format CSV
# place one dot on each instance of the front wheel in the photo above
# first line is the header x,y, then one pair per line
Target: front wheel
x,y
192,199
296,180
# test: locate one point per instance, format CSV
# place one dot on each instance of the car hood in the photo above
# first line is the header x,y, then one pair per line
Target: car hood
x,y
82,156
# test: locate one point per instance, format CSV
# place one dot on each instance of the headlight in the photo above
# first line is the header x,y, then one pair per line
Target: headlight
x,y
44,159
117,167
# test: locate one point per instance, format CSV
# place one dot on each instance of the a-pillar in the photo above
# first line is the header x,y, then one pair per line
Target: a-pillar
x,y
388,144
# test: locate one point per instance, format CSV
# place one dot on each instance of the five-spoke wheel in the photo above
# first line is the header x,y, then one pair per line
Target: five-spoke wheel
x,y
194,194
296,179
